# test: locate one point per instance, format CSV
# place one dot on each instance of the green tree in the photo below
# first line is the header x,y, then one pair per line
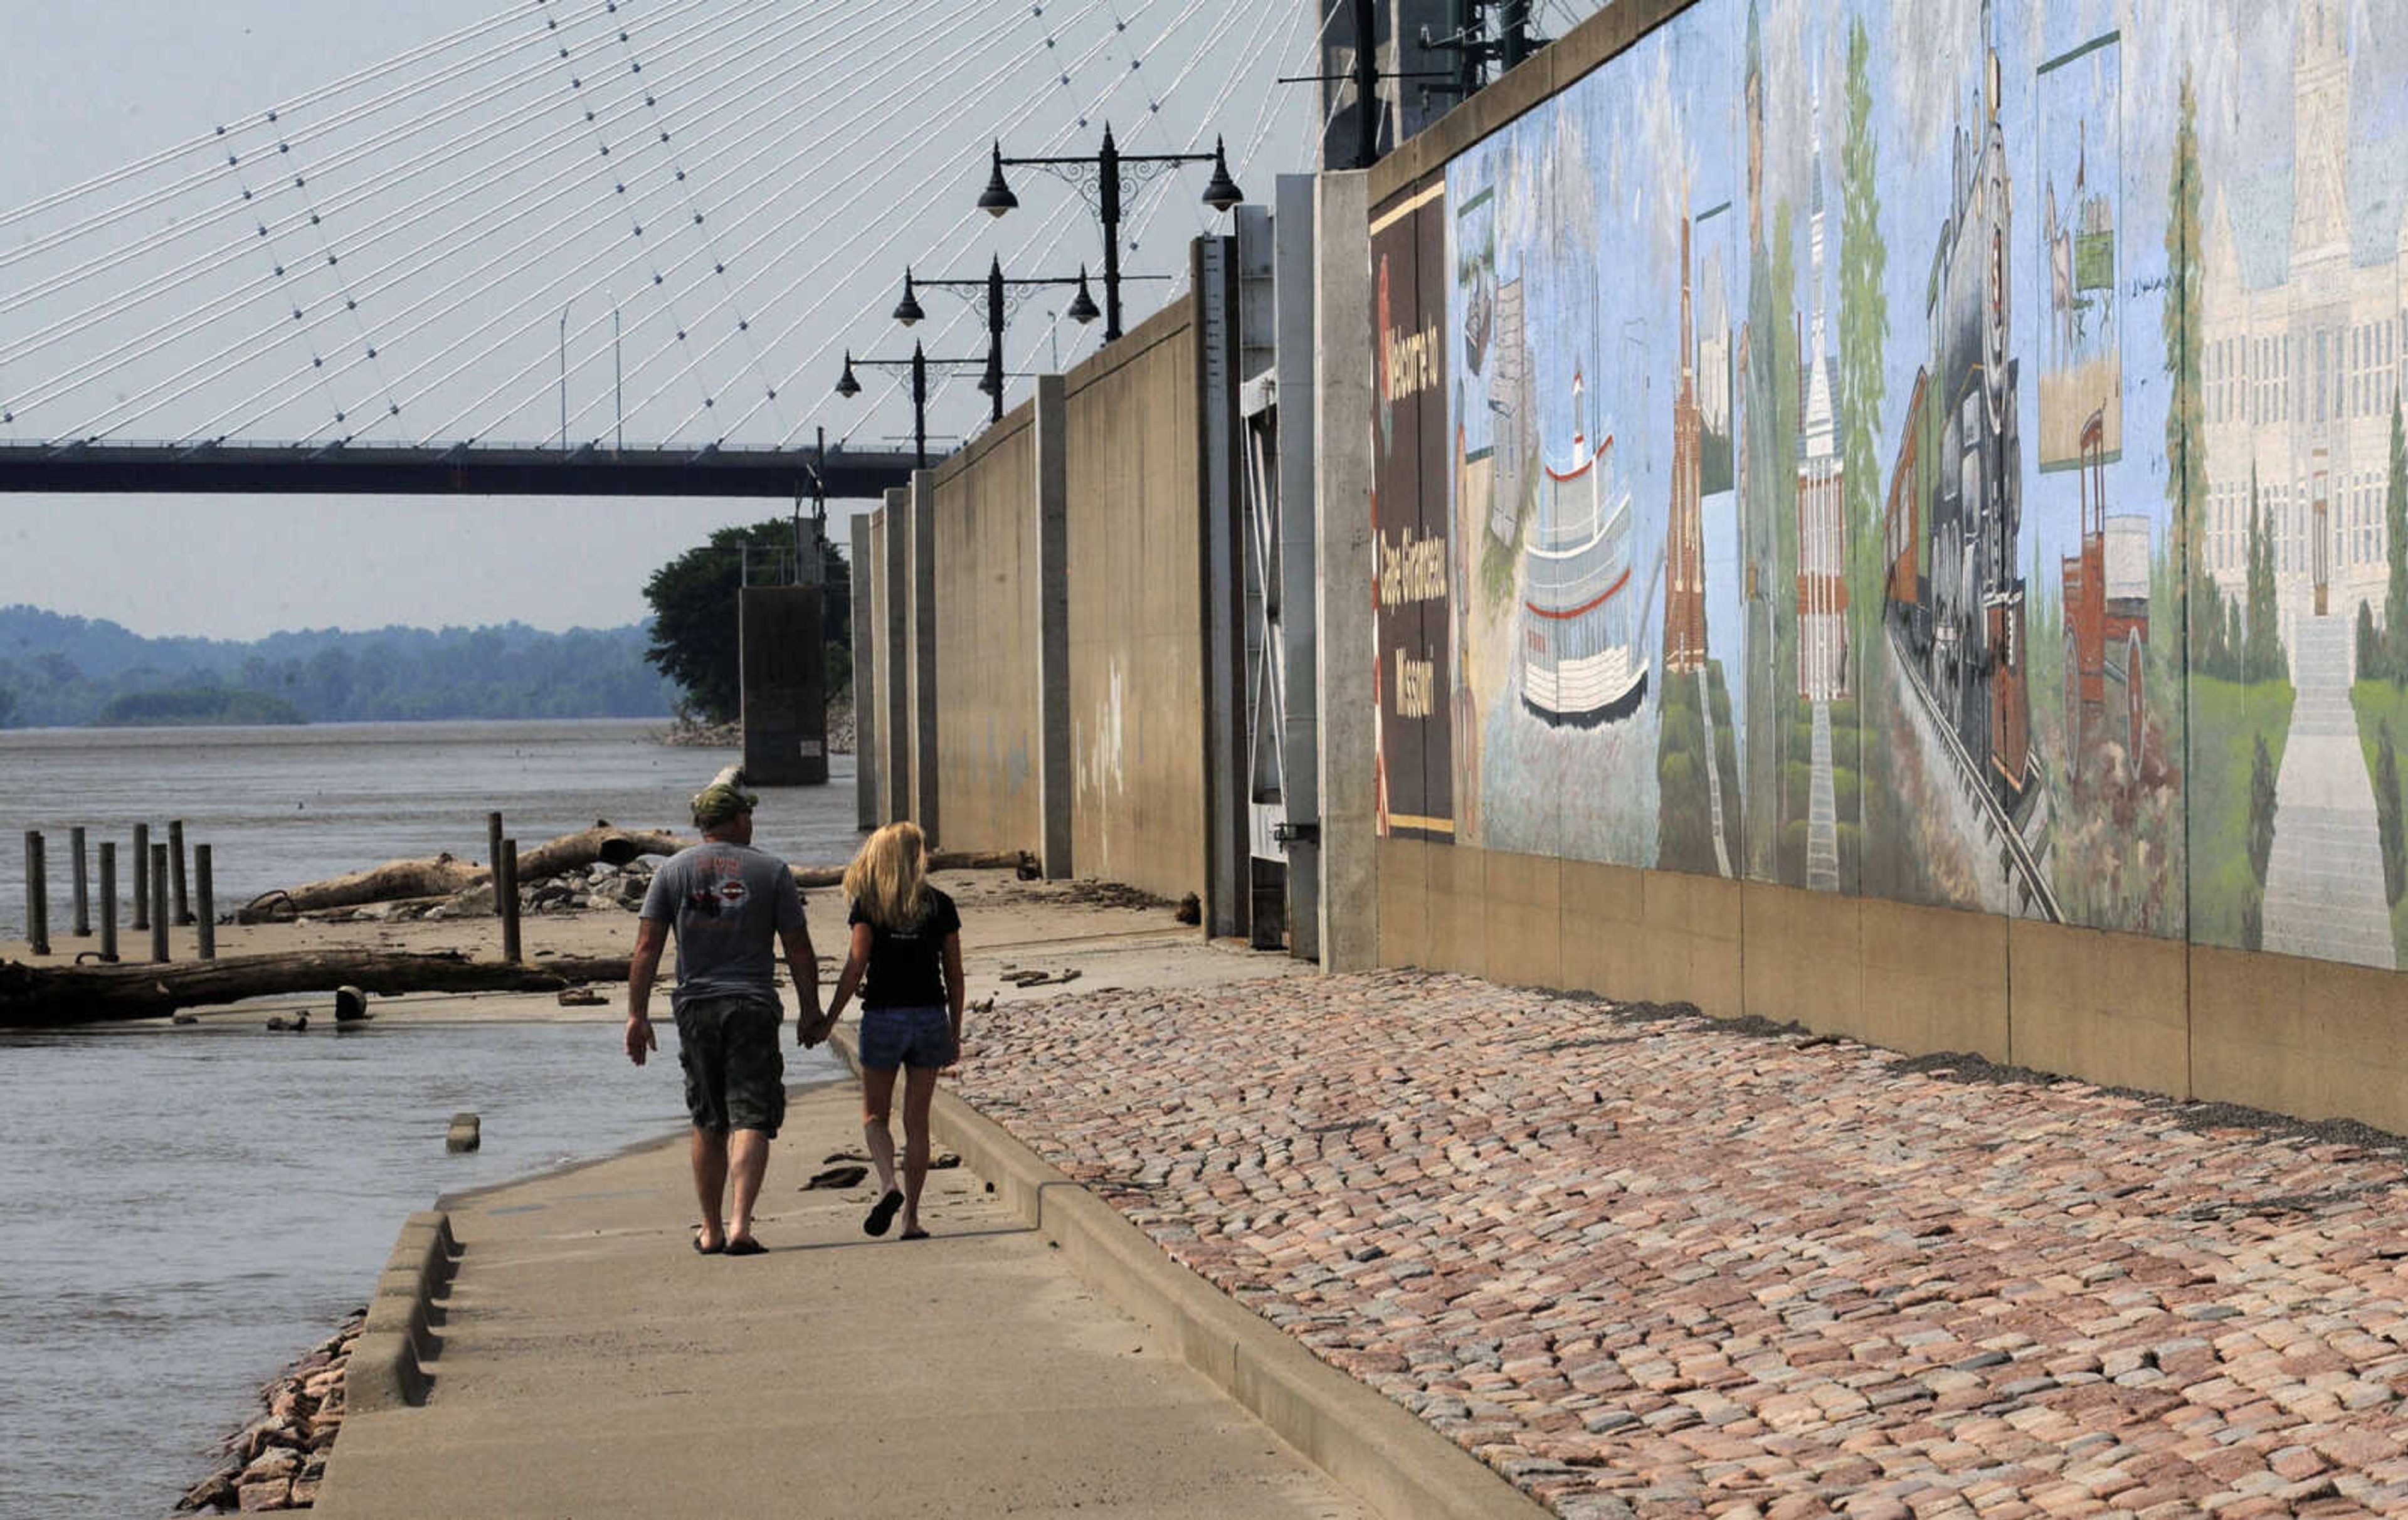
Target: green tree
x,y
693,600
1864,331
2182,324
2395,531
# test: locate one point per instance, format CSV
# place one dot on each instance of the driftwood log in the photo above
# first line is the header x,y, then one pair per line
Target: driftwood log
x,y
50,996
445,875
942,860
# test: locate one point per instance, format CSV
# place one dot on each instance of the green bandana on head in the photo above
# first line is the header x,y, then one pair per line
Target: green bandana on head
x,y
718,802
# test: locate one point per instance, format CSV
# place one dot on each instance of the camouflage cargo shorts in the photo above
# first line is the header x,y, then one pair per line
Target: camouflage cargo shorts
x,y
735,1071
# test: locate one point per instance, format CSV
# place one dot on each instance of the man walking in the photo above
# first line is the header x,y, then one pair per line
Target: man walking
x,y
730,906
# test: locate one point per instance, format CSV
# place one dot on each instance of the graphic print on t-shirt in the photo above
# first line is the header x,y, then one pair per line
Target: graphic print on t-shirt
x,y
719,888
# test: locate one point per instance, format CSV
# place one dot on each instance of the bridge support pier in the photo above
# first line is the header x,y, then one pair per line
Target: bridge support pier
x,y
783,675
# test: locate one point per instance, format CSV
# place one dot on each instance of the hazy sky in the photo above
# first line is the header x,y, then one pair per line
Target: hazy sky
x,y
84,90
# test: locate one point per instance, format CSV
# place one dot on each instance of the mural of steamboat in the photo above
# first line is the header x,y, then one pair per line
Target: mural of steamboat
x,y
1954,598
1580,662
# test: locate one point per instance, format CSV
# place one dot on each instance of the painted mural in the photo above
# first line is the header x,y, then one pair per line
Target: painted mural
x,y
1936,449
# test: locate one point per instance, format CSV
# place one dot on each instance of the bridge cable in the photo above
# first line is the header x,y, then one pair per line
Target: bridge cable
x,y
246,295
168,155
424,259
261,344
967,49
226,143
933,131
966,217
818,356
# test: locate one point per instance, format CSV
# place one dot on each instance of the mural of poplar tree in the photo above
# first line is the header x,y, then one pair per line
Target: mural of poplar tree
x,y
1864,332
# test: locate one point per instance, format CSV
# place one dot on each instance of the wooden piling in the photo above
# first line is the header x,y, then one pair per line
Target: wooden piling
x,y
141,876
209,917
494,856
176,864
159,903
108,900
38,894
82,880
506,893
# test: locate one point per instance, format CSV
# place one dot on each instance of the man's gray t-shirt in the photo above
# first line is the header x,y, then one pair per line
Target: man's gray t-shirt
x,y
728,903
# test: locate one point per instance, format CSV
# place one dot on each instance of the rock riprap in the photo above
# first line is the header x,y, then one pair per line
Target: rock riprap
x,y
276,1462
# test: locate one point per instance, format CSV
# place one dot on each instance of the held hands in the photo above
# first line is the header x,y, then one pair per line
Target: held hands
x,y
639,1037
811,1027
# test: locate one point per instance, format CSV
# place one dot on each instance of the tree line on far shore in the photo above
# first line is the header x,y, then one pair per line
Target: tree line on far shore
x,y
62,671
58,671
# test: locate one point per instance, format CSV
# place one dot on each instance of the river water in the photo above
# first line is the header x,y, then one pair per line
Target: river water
x,y
183,1211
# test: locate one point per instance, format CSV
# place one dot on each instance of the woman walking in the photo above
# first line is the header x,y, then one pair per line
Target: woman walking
x,y
906,959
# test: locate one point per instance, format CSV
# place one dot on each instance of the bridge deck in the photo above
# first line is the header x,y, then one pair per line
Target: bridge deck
x,y
452,469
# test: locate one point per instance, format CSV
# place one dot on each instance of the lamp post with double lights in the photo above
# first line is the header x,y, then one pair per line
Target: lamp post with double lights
x,y
918,363
907,312
1110,169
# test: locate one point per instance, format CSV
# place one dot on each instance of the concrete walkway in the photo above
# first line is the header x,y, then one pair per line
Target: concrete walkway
x,y
592,1364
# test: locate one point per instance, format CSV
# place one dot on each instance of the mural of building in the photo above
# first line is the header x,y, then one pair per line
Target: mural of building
x,y
1684,545
2304,361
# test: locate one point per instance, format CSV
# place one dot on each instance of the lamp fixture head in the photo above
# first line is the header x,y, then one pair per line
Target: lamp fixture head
x,y
1082,309
1223,192
906,310
997,198
847,386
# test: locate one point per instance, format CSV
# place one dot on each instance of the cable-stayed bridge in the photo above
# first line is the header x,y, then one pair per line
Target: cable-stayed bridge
x,y
611,247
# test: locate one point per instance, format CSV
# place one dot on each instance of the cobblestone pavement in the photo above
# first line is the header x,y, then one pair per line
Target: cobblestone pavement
x,y
1648,1265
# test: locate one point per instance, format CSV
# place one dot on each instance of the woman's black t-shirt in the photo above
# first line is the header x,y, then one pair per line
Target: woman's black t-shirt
x,y
907,967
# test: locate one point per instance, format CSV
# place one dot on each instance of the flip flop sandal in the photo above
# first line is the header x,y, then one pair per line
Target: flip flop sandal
x,y
744,1245
881,1214
702,1250
915,1233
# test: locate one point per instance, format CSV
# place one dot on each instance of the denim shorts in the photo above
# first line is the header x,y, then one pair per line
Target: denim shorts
x,y
914,1036
734,1071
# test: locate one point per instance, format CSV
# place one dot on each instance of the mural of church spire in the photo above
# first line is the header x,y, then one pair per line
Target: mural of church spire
x,y
1822,549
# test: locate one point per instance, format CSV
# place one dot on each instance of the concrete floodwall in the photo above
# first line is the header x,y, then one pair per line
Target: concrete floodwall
x,y
1036,604
1896,525
1134,537
987,587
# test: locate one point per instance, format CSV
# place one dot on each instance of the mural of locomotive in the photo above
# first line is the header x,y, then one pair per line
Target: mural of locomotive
x,y
1954,598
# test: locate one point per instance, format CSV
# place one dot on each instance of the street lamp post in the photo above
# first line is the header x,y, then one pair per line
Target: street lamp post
x,y
1107,167
918,363
908,313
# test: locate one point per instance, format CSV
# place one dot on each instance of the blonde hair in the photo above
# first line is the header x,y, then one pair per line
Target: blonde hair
x,y
889,879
